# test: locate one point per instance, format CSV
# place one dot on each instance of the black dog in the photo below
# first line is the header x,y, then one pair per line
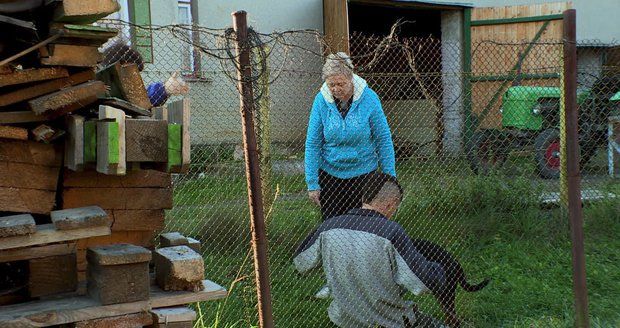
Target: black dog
x,y
454,276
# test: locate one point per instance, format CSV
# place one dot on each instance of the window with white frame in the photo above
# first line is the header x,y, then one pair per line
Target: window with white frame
x,y
184,17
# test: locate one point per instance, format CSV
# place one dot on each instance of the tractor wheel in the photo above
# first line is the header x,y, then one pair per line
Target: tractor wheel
x,y
547,150
487,151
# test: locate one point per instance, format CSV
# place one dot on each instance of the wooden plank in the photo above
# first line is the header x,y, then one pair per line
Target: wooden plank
x,y
81,308
175,147
80,218
72,55
137,220
28,176
119,198
133,179
84,35
16,225
32,75
179,113
41,89
90,141
126,83
20,117
13,132
52,275
127,107
146,140
137,320
74,142
30,152
27,253
63,100
138,238
84,11
47,234
111,154
27,200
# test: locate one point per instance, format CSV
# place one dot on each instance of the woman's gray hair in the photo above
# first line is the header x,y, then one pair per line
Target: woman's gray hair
x,y
336,64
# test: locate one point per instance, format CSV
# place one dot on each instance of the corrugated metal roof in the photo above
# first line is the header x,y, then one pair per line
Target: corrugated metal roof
x,y
439,3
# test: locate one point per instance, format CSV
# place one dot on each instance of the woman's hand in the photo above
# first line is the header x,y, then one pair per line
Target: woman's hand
x,y
314,196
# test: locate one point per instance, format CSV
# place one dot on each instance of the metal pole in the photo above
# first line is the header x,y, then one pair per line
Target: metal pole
x,y
575,212
252,169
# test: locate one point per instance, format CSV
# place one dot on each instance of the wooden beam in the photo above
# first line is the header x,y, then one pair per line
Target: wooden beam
x,y
125,82
142,319
27,200
28,176
80,95
133,179
13,132
127,107
146,140
516,20
47,234
30,152
27,253
81,308
84,11
20,117
336,25
52,275
32,75
72,55
41,89
90,142
179,112
111,142
137,220
119,198
74,142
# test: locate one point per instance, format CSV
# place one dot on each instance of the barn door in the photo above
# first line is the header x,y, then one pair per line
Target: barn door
x,y
505,46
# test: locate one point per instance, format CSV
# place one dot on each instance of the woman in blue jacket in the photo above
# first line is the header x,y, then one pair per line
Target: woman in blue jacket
x,y
348,137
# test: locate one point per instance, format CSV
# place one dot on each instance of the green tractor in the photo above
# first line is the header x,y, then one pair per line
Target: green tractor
x,y
531,120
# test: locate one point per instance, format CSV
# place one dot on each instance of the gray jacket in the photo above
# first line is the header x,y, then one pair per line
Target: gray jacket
x,y
369,262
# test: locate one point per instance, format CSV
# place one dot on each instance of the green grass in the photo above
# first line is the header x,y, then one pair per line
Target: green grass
x,y
494,225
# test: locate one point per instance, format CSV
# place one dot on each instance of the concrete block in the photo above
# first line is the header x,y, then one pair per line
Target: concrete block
x,y
178,268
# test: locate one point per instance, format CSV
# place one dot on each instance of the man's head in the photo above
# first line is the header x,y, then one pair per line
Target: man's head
x,y
383,193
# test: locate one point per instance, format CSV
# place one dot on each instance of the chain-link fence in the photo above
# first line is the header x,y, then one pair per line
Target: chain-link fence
x,y
477,154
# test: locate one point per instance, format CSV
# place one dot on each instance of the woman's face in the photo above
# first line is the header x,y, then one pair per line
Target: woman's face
x,y
341,86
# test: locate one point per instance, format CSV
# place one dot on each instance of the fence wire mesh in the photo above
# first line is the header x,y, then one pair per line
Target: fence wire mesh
x,y
477,153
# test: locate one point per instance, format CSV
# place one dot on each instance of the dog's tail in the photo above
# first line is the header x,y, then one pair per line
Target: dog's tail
x,y
473,288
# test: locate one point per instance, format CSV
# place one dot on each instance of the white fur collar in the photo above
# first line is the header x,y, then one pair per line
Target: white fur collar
x,y
359,85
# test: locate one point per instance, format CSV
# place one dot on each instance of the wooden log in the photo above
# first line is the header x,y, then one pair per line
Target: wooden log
x,y
30,152
13,132
137,220
119,198
20,117
41,89
79,308
111,154
27,253
52,275
28,176
74,143
125,82
32,75
17,225
67,99
179,113
137,320
72,55
146,140
80,218
27,200
47,234
133,179
84,11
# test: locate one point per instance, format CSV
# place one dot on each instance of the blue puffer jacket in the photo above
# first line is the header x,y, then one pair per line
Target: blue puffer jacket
x,y
349,147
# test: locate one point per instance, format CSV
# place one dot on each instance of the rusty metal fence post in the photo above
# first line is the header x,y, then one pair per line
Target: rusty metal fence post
x,y
252,169
573,178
